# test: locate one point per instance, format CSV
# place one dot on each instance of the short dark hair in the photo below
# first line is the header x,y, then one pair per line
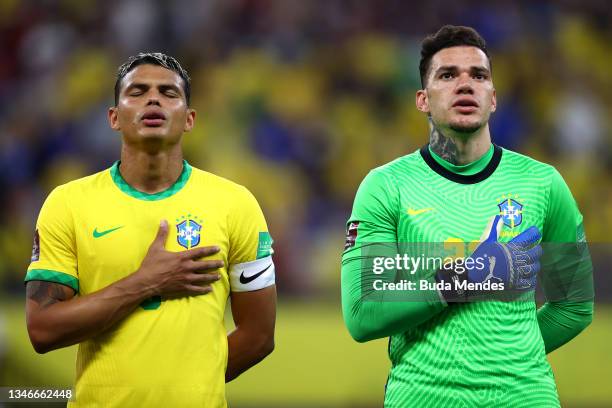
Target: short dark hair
x,y
446,37
153,58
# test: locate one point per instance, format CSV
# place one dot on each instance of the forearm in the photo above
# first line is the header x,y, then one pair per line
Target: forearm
x,y
245,349
254,314
370,314
68,322
562,321
373,320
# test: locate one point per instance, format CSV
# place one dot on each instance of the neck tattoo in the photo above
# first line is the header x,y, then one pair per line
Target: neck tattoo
x,y
443,146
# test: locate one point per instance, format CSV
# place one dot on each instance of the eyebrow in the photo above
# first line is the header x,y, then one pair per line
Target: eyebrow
x,y
144,87
475,69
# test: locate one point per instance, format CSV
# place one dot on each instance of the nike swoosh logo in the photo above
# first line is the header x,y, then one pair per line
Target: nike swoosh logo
x,y
413,212
246,279
98,234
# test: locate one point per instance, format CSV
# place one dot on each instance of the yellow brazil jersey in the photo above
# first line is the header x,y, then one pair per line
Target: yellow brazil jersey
x,y
96,230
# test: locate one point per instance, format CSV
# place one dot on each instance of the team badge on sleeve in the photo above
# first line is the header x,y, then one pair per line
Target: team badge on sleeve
x,y
264,245
351,234
36,247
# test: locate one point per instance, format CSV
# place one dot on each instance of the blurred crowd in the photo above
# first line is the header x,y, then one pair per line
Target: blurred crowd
x,y
297,100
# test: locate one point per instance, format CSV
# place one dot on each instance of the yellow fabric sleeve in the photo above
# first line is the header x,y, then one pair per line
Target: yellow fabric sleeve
x,y
54,255
248,235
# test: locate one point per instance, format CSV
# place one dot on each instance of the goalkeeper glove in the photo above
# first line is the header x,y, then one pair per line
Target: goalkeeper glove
x,y
514,264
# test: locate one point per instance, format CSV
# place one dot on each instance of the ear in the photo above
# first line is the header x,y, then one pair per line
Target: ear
x,y
493,101
422,101
113,119
189,122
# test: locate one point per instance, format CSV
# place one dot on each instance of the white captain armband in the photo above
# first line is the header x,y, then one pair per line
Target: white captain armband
x,y
254,275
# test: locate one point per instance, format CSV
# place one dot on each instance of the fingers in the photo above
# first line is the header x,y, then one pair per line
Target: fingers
x,y
499,224
201,283
203,278
528,256
528,237
189,290
198,290
162,235
530,282
533,254
493,229
526,284
205,266
201,252
529,270
192,284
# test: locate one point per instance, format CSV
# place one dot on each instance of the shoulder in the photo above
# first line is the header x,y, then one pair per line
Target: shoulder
x,y
402,167
524,163
76,188
218,185
381,184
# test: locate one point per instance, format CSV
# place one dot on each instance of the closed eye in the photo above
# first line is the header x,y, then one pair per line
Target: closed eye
x,y
169,91
136,89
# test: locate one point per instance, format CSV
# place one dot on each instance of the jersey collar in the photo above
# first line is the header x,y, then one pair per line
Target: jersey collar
x,y
463,178
132,192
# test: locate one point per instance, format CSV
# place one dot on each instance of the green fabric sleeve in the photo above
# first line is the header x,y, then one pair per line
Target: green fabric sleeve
x,y
563,218
560,322
370,314
567,271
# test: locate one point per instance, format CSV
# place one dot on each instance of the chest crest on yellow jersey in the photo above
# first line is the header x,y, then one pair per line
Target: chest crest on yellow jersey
x,y
188,230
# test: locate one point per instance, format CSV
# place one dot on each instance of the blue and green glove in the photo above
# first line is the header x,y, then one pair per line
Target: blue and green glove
x,y
515,264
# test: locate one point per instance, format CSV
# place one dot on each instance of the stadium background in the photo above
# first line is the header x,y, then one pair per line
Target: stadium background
x,y
297,100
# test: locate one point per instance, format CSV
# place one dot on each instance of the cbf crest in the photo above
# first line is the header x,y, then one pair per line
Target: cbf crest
x,y
188,230
511,211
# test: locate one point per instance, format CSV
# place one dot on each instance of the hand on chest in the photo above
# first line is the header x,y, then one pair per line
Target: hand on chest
x,y
111,244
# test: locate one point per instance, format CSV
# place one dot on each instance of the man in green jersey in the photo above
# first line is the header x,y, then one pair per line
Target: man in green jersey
x,y
471,353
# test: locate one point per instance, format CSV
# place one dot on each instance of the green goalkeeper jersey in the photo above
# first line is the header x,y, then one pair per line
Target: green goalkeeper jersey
x,y
488,353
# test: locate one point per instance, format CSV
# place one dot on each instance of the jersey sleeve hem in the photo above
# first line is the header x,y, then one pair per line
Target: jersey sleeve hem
x,y
53,276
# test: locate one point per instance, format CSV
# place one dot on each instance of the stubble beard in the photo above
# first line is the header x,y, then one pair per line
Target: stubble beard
x,y
466,128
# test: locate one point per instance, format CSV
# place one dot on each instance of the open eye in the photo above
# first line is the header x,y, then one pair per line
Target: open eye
x,y
446,75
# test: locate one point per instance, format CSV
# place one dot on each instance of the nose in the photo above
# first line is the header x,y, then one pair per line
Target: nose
x,y
464,84
153,100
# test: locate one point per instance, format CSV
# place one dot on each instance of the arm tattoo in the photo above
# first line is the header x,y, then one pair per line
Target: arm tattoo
x,y
45,293
441,145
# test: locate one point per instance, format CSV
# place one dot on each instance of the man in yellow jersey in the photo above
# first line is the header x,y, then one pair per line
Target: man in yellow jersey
x,y
135,263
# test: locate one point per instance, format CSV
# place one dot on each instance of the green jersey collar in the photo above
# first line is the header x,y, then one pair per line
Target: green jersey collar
x,y
472,173
466,169
131,191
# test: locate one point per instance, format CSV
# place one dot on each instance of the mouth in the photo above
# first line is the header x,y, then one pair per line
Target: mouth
x,y
465,105
153,118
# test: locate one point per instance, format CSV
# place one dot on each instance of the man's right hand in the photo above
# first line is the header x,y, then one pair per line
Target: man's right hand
x,y
515,264
57,318
175,274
